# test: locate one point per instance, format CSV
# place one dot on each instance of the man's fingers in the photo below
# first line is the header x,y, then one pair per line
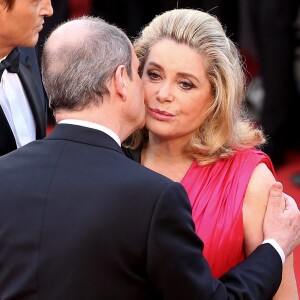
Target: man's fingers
x,y
289,202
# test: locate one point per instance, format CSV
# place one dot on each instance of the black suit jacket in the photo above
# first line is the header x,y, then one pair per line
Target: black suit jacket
x,y
80,220
29,74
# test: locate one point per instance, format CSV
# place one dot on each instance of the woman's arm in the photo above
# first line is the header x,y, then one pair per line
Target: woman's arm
x,y
254,209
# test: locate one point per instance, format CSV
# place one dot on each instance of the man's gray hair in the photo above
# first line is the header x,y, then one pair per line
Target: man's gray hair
x,y
76,71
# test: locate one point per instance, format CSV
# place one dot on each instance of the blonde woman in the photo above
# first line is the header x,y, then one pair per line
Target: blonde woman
x,y
196,134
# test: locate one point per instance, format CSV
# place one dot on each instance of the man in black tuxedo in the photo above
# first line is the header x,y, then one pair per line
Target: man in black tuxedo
x,y
23,106
80,220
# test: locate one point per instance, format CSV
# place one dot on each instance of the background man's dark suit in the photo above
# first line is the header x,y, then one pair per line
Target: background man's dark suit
x,y
79,220
29,74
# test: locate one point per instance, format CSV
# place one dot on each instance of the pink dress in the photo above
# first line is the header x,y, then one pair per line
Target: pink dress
x,y
216,192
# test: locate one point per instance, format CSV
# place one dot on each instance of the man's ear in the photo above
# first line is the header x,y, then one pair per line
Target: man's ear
x,y
121,79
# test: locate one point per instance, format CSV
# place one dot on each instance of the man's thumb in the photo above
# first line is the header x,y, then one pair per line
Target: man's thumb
x,y
275,197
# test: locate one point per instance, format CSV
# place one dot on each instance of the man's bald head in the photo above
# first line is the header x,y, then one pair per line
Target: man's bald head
x,y
79,58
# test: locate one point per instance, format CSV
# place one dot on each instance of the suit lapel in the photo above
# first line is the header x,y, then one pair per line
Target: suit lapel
x,y
29,75
34,94
7,139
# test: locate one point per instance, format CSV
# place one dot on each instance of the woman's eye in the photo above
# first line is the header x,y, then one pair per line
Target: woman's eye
x,y
187,85
153,75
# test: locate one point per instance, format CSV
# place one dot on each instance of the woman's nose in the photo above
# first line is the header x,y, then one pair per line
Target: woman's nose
x,y
165,92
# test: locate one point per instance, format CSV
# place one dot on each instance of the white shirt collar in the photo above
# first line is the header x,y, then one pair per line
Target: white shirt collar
x,y
93,126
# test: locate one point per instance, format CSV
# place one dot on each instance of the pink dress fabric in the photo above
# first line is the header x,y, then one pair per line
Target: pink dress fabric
x,y
216,192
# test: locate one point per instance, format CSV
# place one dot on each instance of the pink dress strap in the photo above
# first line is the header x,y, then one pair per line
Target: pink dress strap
x,y
216,192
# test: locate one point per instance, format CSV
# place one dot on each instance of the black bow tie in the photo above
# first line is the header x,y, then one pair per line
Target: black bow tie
x,y
11,62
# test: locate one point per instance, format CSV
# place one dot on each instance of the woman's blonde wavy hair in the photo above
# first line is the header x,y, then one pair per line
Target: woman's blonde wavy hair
x,y
226,127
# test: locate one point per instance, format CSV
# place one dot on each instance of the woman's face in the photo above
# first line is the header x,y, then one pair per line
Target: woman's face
x,y
177,90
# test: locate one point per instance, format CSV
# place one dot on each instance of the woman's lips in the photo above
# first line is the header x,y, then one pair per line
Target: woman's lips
x,y
160,114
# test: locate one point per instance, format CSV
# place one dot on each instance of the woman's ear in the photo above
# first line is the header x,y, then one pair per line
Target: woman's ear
x,y
121,79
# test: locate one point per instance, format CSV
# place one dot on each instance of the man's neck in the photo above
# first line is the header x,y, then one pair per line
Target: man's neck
x,y
94,126
97,115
